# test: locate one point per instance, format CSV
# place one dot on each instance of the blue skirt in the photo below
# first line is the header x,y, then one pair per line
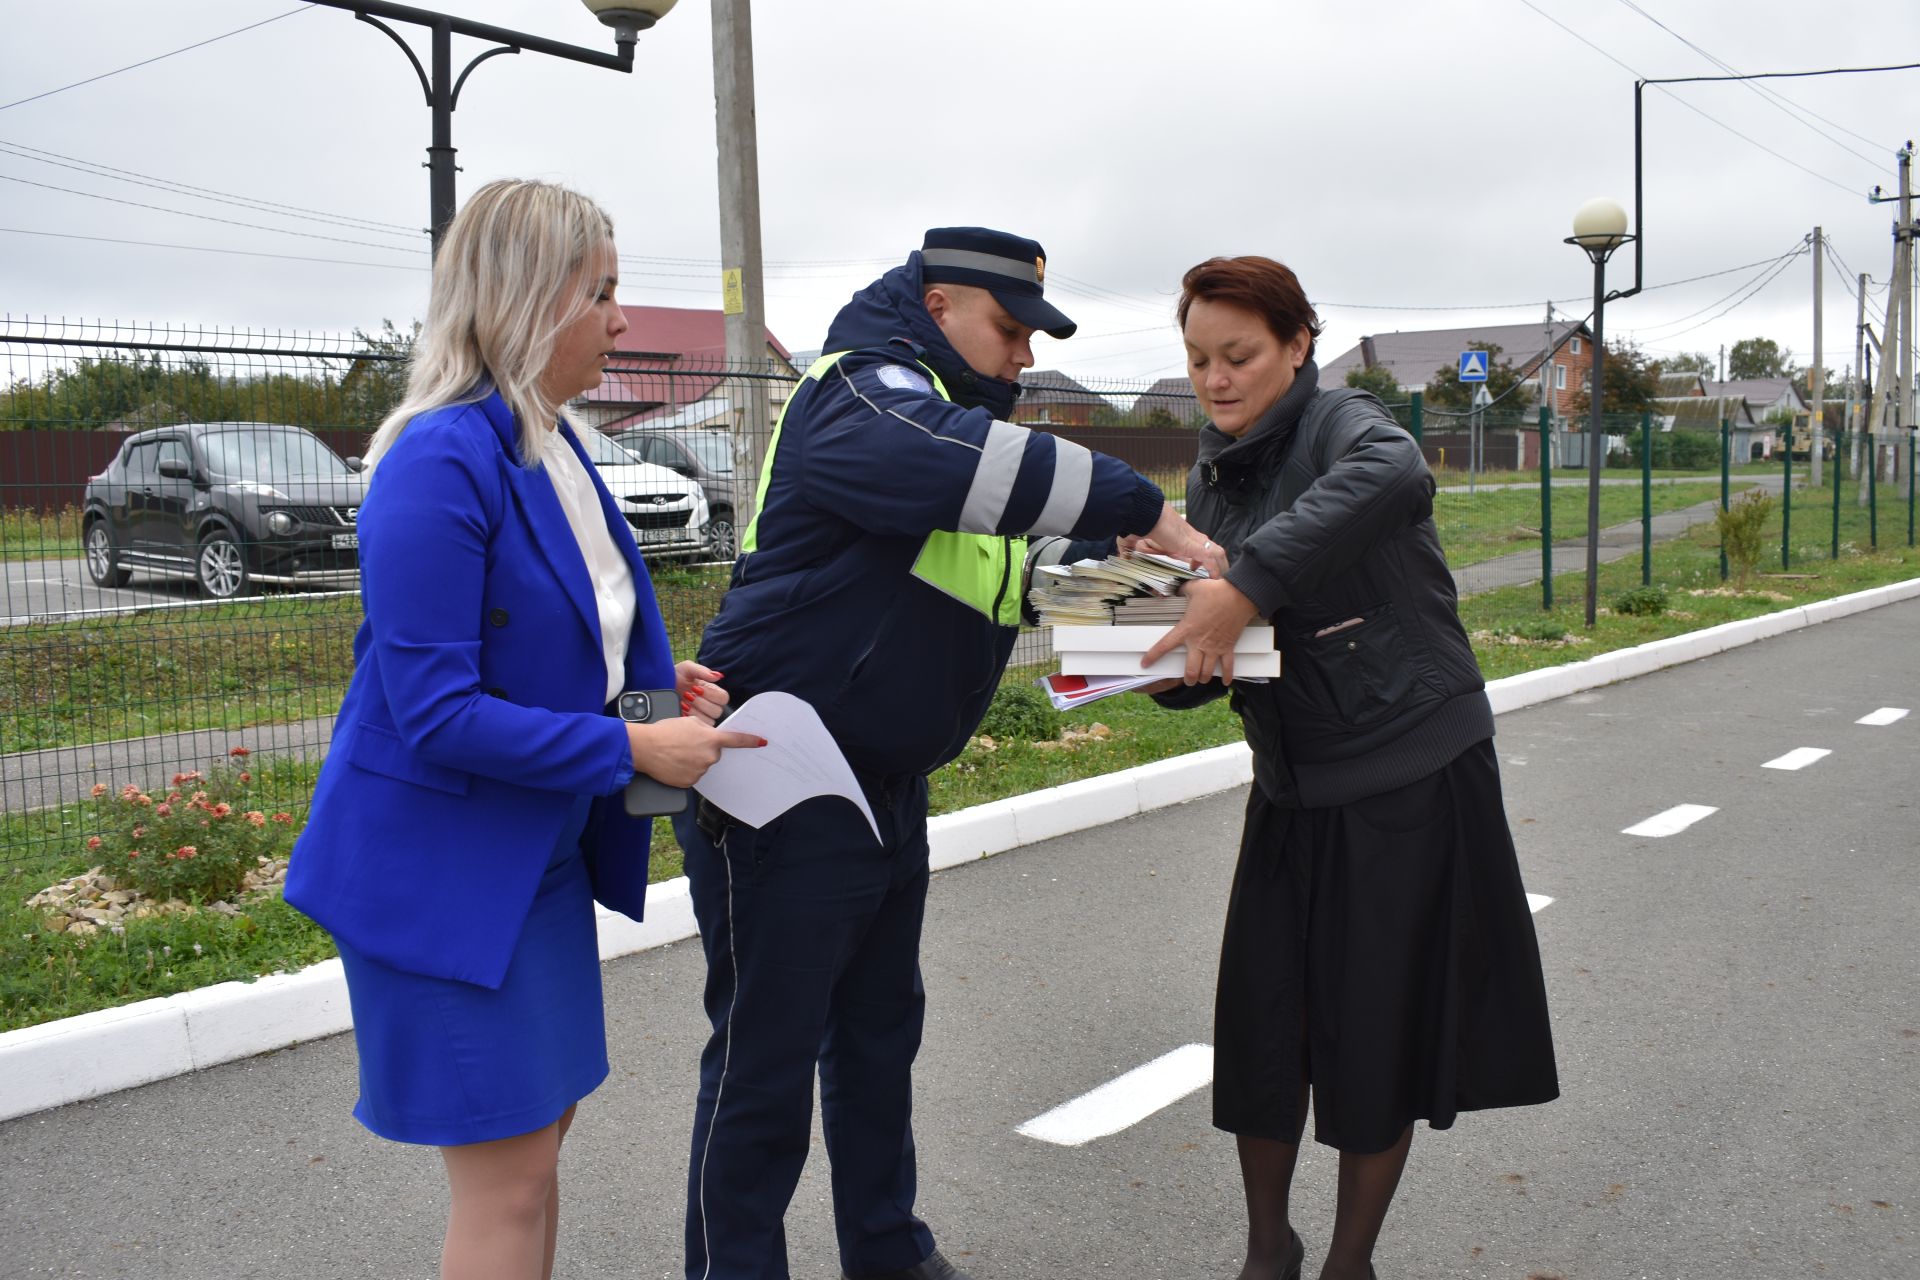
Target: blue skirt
x,y
448,1063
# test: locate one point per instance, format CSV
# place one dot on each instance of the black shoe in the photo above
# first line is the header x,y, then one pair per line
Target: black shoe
x,y
1297,1259
933,1267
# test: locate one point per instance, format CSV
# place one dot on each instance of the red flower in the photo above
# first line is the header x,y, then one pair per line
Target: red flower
x,y
257,818
162,810
133,853
186,851
93,842
239,751
129,791
245,776
99,789
221,810
145,801
283,817
138,832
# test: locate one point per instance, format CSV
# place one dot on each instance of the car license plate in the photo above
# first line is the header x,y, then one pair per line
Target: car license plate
x,y
346,541
661,535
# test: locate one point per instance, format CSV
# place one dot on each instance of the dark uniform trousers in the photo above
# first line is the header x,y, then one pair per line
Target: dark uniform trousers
x,y
812,937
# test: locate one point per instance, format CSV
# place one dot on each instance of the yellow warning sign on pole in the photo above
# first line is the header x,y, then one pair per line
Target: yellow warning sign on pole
x,y
733,297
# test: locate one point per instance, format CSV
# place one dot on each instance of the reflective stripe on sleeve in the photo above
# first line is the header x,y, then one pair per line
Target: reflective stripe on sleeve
x,y
1072,481
993,478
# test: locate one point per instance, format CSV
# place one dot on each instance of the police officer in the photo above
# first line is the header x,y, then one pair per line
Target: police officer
x,y
881,581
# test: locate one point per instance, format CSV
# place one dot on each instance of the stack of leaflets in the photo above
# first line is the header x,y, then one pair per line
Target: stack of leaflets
x,y
1106,614
1136,588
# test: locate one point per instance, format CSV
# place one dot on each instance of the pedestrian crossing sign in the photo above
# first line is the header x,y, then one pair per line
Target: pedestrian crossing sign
x,y
1473,366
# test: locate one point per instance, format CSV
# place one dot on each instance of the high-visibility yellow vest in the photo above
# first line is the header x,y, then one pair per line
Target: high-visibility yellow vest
x,y
980,570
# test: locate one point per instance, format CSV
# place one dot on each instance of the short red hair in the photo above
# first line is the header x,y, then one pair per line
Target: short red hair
x,y
1267,288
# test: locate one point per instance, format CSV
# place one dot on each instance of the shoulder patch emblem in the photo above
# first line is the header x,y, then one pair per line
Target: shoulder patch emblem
x,y
901,378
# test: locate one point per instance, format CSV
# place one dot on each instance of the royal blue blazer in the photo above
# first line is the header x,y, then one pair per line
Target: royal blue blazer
x,y
477,710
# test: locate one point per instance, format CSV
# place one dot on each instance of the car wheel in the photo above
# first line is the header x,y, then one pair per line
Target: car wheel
x,y
722,544
103,562
222,566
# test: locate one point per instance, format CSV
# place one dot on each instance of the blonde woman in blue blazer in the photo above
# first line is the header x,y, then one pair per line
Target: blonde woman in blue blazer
x,y
468,813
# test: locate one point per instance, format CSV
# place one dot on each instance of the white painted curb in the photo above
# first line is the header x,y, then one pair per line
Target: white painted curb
x,y
96,1053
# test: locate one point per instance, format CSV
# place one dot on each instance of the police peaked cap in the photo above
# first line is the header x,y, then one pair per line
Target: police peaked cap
x,y
1011,268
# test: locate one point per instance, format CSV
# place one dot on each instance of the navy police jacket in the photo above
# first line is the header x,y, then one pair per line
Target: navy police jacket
x,y
881,579
476,713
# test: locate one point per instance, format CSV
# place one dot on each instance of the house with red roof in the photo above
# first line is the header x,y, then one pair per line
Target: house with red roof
x,y
671,365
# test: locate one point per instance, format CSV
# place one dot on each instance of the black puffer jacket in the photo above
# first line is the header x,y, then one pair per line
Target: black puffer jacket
x,y
1325,510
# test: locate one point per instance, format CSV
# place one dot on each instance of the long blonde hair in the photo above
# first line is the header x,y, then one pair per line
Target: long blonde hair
x,y
506,281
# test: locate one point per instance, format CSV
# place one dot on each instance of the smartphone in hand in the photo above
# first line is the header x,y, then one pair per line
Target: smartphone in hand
x,y
648,797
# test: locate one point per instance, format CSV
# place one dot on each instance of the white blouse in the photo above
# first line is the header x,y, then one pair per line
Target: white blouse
x,y
613,588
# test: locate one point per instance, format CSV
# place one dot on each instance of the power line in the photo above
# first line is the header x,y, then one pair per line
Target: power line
x,y
1753,293
156,58
1772,97
1683,102
242,202
1772,264
202,248
207,217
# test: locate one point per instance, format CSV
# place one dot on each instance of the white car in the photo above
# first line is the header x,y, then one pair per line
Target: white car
x,y
668,512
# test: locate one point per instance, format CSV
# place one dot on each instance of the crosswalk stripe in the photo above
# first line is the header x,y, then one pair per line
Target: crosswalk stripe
x,y
1798,758
1125,1100
1885,715
1671,821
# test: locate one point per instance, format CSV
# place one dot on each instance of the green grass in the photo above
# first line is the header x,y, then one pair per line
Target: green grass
x,y
34,535
1510,629
236,665
1480,526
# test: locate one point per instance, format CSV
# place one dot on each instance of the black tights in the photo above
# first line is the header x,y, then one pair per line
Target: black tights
x,y
1367,1184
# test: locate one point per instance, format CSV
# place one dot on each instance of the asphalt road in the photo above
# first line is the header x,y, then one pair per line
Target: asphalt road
x,y
1733,1009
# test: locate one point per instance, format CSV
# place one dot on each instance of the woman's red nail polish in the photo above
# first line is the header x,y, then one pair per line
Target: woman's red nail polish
x,y
763,742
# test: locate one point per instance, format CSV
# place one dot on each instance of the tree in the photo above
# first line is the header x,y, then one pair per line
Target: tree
x,y
1446,391
1688,362
1830,385
1379,380
1759,358
1628,382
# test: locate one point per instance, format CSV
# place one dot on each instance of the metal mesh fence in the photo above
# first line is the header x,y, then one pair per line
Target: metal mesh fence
x,y
178,572
177,538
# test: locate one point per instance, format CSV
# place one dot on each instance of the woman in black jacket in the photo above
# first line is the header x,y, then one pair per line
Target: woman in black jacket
x,y
1379,953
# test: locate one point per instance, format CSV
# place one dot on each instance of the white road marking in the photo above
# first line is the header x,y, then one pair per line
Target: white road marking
x,y
1126,1100
1672,822
1798,758
1885,715
1536,901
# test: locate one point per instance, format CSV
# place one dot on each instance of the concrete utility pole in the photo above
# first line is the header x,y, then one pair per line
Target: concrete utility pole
x,y
742,289
1817,379
1889,389
1905,283
1855,374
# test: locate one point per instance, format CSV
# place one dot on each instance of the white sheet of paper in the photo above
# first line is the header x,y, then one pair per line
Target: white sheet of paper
x,y
801,760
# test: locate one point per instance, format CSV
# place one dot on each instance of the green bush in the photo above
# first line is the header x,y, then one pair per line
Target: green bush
x,y
197,840
1679,449
1020,712
1641,601
1742,527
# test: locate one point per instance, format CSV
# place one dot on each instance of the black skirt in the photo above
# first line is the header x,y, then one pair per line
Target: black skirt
x,y
1382,952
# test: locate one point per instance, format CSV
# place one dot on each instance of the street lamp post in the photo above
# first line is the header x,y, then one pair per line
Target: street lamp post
x,y
628,18
1599,228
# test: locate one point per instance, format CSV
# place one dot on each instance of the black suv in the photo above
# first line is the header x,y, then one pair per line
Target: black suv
x,y
228,504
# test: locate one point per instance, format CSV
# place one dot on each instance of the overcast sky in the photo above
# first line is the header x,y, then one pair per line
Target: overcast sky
x,y
1403,156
